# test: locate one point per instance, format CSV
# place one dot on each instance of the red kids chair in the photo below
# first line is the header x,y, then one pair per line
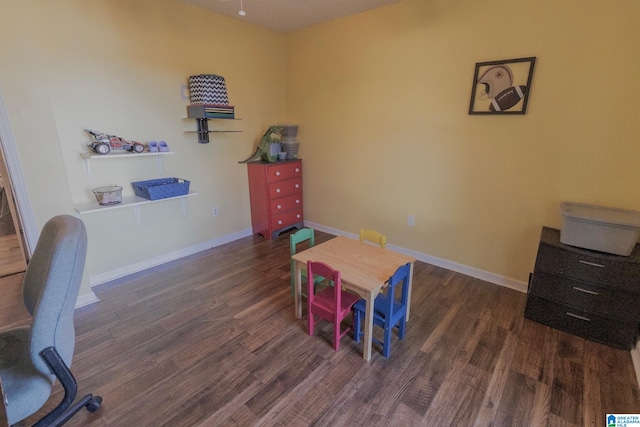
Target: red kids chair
x,y
331,303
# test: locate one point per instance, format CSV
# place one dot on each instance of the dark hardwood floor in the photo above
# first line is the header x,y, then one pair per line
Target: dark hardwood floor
x,y
212,340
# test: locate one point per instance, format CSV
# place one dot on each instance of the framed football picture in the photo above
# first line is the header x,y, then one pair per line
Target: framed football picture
x,y
502,87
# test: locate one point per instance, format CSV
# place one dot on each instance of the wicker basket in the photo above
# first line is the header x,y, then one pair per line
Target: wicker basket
x,y
106,196
155,189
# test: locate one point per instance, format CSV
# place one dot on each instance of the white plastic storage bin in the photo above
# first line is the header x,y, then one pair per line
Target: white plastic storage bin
x,y
614,231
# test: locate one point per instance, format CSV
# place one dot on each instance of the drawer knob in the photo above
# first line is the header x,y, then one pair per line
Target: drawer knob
x,y
297,170
279,206
277,173
279,222
297,185
298,216
277,190
297,201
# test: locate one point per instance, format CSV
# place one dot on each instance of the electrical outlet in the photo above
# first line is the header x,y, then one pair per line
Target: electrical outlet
x,y
411,221
215,211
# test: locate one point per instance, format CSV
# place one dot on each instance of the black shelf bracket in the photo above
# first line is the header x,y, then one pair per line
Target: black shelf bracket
x,y
203,130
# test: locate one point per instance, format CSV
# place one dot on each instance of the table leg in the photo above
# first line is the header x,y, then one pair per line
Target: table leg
x,y
298,290
410,285
368,327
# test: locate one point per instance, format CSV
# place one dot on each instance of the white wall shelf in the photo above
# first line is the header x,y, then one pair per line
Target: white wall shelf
x,y
203,128
127,202
87,157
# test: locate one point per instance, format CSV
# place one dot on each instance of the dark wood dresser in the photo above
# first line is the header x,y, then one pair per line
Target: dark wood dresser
x,y
590,294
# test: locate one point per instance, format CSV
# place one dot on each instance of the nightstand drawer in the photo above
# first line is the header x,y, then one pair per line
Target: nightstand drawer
x,y
594,327
579,264
587,296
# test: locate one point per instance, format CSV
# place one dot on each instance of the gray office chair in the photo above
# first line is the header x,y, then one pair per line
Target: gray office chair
x,y
32,358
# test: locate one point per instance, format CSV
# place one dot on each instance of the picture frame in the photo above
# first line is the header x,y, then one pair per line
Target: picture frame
x,y
502,87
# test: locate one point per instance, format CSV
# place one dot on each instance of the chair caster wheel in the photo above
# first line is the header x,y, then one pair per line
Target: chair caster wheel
x,y
94,404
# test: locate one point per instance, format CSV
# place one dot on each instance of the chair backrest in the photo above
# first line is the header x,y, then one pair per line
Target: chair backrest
x,y
401,276
315,268
373,236
300,236
50,287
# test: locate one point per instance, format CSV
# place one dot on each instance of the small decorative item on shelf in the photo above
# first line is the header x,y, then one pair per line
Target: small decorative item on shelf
x,y
106,196
155,189
162,146
155,147
268,147
103,143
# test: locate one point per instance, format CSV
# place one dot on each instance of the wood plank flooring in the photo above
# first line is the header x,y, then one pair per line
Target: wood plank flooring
x,y
211,340
11,257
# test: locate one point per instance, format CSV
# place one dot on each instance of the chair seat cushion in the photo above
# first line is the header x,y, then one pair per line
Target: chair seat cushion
x,y
26,393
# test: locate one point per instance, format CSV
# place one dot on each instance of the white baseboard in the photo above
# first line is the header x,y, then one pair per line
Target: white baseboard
x,y
86,299
105,277
439,262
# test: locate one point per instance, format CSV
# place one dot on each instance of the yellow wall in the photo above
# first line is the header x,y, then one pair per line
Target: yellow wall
x,y
382,101
118,66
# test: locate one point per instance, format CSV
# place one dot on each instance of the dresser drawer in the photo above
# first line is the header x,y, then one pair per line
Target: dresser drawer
x,y
585,295
594,327
287,219
285,188
284,171
580,264
288,203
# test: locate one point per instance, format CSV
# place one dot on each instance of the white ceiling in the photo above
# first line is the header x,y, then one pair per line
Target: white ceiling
x,y
288,15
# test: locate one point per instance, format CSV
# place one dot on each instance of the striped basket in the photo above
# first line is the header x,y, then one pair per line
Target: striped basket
x,y
208,89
